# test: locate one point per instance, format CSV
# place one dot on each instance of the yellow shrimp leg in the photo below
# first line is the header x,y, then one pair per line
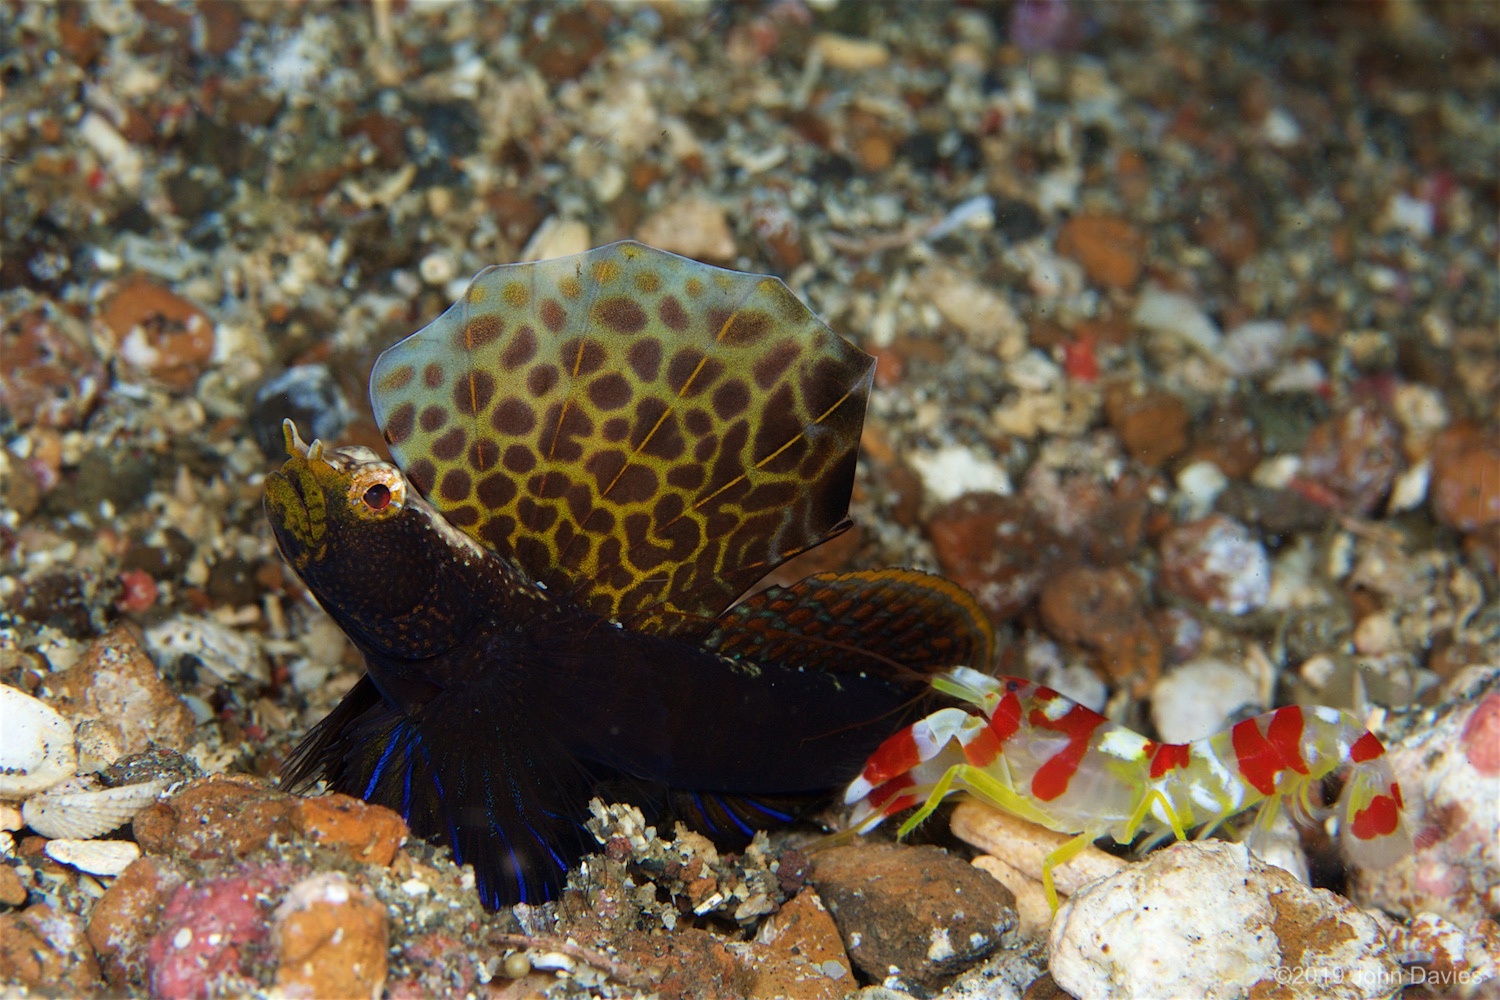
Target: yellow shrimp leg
x,y
983,786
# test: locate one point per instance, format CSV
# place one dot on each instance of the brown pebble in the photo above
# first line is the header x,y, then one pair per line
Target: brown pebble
x,y
870,140
157,334
874,151
51,376
1465,489
1044,987
1103,610
12,889
371,833
1111,250
1276,512
568,44
22,490
998,548
1152,423
1351,460
331,939
125,918
221,25
1226,437
217,816
1216,562
516,213
81,39
797,954
1230,238
906,487
117,684
917,913
45,950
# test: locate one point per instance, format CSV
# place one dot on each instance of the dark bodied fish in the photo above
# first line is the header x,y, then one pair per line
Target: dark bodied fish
x,y
595,456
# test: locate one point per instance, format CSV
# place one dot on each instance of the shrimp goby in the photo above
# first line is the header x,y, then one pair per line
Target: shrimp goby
x,y
1043,757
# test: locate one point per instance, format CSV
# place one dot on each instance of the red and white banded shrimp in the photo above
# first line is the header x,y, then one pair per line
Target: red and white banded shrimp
x,y
1045,758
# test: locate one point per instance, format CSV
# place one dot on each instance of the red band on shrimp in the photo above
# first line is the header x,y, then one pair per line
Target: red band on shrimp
x,y
1078,724
1007,717
983,748
882,795
896,755
1169,757
1367,747
1285,734
1259,762
1379,819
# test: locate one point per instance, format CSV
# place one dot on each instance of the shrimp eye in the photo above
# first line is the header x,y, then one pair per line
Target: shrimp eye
x,y
378,497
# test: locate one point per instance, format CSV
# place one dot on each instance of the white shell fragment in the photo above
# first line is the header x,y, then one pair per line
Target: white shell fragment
x,y
220,649
36,745
79,810
97,857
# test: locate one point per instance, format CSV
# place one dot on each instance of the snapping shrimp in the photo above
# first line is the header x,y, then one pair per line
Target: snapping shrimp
x,y
1043,757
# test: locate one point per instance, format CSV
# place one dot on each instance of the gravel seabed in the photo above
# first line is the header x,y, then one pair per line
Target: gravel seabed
x,y
1187,315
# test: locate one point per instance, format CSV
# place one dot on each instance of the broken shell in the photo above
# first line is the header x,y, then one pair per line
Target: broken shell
x,y
220,649
97,857
36,745
78,810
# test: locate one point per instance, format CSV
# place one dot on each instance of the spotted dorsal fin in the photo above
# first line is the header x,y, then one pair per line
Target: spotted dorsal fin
x,y
649,433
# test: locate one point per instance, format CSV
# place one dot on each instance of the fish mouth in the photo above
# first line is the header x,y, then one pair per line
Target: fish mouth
x,y
296,515
286,490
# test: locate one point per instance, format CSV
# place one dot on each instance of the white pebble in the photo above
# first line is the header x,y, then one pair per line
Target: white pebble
x,y
950,472
1410,488
556,238
1173,313
980,313
1276,472
1252,348
850,54
1034,372
1305,375
126,165
1197,699
1411,215
1198,920
1200,483
1280,128
438,268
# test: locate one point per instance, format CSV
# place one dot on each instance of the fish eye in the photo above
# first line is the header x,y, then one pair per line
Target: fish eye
x,y
376,491
378,497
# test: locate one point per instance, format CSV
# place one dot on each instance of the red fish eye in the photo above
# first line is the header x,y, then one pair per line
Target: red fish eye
x,y
378,497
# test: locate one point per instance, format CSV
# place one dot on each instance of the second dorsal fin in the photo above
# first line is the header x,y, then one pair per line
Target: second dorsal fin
x,y
885,621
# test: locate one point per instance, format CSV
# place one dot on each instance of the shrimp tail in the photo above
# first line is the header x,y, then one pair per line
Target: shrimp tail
x,y
1373,831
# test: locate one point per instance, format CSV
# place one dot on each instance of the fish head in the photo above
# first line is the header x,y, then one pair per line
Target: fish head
x,y
377,557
